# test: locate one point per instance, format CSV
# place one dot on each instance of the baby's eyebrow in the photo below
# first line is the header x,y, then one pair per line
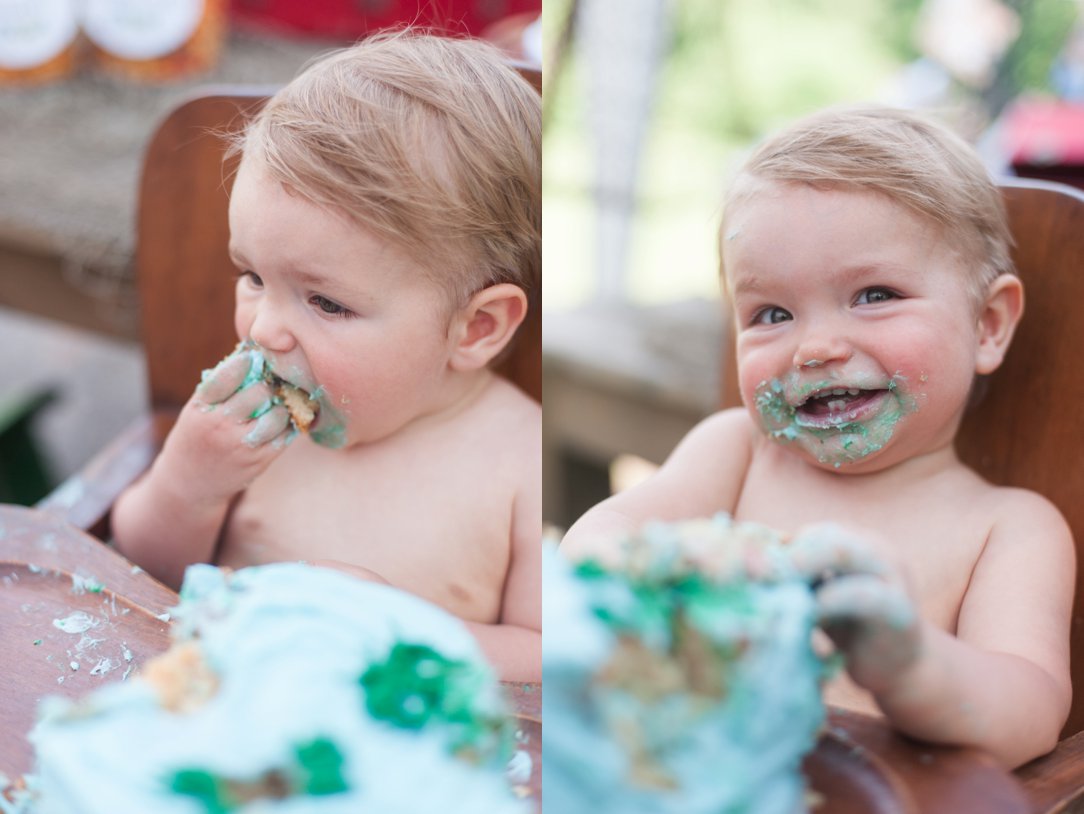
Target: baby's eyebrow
x,y
859,273
310,278
747,285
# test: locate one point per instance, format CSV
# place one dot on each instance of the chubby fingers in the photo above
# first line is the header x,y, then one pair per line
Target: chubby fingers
x,y
250,403
866,601
268,427
222,381
825,550
874,624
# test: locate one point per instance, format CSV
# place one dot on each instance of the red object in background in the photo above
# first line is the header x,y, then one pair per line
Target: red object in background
x,y
351,19
1044,138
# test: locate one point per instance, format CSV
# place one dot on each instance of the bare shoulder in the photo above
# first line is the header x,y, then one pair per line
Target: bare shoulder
x,y
505,439
1027,528
1022,510
725,437
702,476
505,422
505,404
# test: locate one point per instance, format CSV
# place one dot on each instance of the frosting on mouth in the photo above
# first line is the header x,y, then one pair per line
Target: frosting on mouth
x,y
310,412
837,405
837,423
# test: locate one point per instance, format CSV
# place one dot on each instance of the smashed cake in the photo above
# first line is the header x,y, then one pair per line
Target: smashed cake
x,y
680,676
288,689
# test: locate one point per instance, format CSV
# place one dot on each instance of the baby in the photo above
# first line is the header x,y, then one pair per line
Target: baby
x,y
385,223
865,253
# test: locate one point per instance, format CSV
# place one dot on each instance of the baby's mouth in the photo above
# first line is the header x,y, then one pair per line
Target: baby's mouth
x,y
832,407
302,406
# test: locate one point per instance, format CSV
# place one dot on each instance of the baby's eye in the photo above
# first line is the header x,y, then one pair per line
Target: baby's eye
x,y
328,306
876,294
252,278
771,315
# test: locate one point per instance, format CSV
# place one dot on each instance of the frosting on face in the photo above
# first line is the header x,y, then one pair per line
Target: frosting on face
x,y
835,422
329,427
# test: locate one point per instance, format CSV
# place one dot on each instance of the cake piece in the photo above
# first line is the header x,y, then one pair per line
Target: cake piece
x,y
289,688
679,674
299,404
302,406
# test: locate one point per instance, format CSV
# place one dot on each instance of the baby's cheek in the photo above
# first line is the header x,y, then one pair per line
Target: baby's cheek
x,y
332,426
753,373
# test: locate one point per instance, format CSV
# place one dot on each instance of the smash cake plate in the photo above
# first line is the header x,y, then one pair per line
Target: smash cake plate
x,y
285,688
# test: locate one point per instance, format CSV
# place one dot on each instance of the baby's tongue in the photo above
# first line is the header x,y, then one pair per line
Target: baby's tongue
x,y
833,404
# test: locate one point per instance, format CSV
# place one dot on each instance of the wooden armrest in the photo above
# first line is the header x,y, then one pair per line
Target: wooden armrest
x,y
85,499
1055,782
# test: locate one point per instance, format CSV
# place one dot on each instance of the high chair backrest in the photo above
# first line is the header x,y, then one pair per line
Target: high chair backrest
x,y
185,277
1027,430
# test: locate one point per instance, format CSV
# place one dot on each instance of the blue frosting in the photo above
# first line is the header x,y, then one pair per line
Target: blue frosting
x,y
290,646
675,685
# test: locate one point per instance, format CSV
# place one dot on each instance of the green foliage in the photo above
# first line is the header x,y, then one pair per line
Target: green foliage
x,y
1045,25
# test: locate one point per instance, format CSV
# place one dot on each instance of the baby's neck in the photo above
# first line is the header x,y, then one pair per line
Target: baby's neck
x,y
462,391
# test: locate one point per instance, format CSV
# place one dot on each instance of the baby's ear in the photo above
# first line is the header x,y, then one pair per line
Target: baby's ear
x,y
486,324
1000,313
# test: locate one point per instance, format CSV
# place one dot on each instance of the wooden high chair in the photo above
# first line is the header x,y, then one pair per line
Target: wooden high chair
x,y
185,284
186,281
1027,431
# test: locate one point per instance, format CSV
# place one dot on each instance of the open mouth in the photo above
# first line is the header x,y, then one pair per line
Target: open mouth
x,y
835,406
301,406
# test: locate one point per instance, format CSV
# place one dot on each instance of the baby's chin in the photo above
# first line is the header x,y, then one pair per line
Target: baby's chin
x,y
329,429
843,455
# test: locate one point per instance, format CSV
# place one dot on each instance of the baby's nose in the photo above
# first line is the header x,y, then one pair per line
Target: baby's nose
x,y
270,330
820,349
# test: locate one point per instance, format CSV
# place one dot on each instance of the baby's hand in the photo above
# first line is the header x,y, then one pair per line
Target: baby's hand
x,y
862,603
229,431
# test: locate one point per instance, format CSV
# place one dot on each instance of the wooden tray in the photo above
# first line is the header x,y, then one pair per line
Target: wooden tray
x,y
75,615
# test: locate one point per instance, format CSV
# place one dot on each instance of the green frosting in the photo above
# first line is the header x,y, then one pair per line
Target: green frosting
x,y
842,443
320,764
418,687
316,770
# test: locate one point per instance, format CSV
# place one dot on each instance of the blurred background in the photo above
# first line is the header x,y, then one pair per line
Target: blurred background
x,y
83,84
651,104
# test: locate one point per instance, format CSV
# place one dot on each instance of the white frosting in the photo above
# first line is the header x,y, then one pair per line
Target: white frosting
x,y
288,643
702,753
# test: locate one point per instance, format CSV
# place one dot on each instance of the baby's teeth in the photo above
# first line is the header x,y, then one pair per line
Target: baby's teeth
x,y
836,404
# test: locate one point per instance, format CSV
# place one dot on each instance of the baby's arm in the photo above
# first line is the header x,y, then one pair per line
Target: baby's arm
x,y
514,645
1002,682
172,516
702,476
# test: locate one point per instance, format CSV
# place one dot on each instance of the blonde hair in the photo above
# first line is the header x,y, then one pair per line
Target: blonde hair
x,y
431,143
910,159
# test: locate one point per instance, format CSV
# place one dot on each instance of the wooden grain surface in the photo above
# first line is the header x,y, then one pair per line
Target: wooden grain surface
x,y
52,572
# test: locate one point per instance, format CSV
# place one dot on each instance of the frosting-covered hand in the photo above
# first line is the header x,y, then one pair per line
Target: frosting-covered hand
x,y
863,604
229,431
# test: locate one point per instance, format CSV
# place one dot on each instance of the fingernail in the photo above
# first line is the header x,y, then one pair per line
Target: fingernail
x,y
255,369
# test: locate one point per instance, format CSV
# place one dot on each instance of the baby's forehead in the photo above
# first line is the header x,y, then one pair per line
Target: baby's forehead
x,y
748,189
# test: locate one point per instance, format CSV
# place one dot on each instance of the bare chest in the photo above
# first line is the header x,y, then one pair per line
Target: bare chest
x,y
423,524
927,528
